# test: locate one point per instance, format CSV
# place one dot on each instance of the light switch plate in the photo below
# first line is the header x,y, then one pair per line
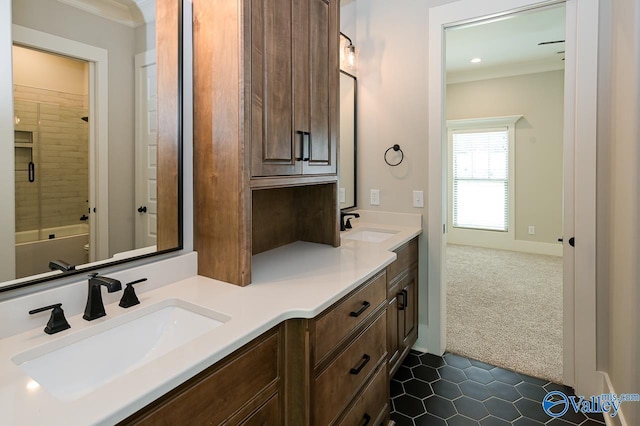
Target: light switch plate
x,y
343,195
418,198
374,197
532,230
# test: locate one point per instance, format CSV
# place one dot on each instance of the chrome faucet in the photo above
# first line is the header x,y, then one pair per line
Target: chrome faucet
x,y
95,307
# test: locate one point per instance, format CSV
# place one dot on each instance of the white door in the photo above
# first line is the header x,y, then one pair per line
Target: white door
x,y
146,148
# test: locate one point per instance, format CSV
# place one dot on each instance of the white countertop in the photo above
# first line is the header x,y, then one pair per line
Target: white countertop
x,y
299,280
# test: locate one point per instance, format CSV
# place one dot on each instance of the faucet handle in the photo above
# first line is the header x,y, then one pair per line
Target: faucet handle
x,y
129,297
57,321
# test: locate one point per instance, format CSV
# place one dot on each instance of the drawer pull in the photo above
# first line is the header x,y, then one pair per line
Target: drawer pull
x,y
365,360
403,305
365,419
365,306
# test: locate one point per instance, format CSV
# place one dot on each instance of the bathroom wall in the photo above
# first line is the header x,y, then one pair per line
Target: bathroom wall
x,y
539,98
55,18
618,212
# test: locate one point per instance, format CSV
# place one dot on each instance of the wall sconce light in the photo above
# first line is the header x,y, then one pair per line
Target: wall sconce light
x,y
16,120
349,54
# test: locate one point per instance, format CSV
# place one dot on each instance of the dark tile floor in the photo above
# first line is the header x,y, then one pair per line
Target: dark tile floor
x,y
453,390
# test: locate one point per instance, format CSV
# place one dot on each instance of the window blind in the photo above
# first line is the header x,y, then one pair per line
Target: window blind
x,y
481,179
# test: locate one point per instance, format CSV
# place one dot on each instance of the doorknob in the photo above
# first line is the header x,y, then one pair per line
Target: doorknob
x,y
572,241
142,209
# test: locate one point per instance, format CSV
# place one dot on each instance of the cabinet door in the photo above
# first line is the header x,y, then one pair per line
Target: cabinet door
x,y
393,338
321,142
409,317
273,137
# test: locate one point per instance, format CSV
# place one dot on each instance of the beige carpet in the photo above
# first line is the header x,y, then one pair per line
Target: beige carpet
x,y
505,308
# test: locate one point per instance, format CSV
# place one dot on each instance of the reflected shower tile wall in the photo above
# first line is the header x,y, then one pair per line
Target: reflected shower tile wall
x,y
61,154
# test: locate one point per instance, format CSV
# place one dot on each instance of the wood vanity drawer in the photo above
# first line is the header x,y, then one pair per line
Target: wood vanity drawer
x,y
336,386
407,255
222,391
371,406
337,323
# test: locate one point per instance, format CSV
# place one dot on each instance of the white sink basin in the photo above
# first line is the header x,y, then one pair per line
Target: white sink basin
x,y
370,235
80,363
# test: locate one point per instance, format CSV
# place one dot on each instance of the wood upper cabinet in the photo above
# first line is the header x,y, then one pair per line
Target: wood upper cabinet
x,y
265,84
293,87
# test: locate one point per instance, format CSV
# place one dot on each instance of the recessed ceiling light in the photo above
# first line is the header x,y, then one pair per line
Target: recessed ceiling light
x,y
476,60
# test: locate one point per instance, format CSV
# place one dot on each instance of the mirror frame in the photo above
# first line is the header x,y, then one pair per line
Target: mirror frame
x,y
179,182
355,141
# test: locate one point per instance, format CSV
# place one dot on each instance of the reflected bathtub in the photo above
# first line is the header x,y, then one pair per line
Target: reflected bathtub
x,y
35,248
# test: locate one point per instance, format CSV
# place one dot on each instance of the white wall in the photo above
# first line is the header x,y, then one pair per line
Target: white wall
x,y
53,17
539,98
7,207
392,39
619,201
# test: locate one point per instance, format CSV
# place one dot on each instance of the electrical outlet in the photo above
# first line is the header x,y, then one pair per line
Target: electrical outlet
x,y
532,230
418,198
343,195
374,197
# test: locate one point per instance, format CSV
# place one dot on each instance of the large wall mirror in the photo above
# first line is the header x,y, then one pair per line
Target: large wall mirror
x,y
348,146
96,146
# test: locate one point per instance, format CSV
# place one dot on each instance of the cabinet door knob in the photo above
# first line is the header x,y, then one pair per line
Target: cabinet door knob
x,y
365,419
365,360
403,305
365,306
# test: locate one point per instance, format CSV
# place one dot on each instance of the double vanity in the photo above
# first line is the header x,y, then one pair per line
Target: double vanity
x,y
313,340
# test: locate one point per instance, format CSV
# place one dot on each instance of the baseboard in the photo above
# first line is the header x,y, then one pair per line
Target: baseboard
x,y
620,419
550,249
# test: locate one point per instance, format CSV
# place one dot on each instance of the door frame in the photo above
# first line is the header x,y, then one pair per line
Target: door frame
x,y
579,292
141,61
98,126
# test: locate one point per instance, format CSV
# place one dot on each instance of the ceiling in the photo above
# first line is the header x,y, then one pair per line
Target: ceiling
x,y
507,45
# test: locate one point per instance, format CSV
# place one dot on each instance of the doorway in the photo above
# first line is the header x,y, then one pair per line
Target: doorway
x,y
96,60
579,184
51,99
504,109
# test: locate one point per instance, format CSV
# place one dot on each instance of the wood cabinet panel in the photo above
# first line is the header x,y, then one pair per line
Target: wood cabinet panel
x,y
372,405
409,285
321,142
407,255
402,323
272,97
336,386
294,84
269,414
392,330
221,391
333,327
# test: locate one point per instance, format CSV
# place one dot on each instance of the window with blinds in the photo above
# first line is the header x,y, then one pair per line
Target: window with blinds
x,y
481,179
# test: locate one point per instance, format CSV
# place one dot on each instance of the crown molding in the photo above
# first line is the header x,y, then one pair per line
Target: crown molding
x,y
139,13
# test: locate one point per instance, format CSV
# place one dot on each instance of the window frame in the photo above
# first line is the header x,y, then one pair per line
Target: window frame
x,y
457,234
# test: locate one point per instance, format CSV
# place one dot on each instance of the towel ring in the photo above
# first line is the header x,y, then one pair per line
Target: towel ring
x,y
396,148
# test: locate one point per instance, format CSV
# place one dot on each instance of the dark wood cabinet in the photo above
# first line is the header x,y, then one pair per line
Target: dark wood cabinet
x,y
266,81
402,293
334,361
293,81
243,388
